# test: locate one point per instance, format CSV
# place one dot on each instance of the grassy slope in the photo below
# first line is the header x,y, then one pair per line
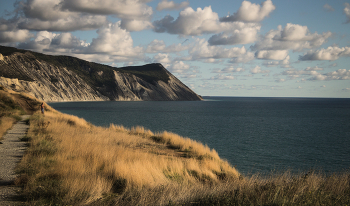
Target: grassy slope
x,y
71,162
10,110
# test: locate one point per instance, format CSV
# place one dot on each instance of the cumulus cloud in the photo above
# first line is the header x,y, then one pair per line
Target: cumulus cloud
x,y
315,68
292,36
272,54
237,36
340,74
71,15
162,58
114,40
135,25
49,15
197,22
249,12
228,70
179,67
202,50
205,21
20,35
347,12
157,46
247,57
44,10
331,53
58,43
171,5
283,63
257,70
223,77
71,23
328,8
189,22
132,9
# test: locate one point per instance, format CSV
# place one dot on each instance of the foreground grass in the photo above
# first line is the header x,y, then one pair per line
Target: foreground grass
x,y
10,111
71,162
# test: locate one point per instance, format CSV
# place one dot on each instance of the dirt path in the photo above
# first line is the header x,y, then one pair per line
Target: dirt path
x,y
11,152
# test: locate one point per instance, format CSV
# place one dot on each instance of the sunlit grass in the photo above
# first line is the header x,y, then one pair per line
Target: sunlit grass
x,y
88,163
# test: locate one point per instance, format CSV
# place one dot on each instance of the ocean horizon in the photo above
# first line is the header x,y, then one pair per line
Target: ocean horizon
x,y
254,134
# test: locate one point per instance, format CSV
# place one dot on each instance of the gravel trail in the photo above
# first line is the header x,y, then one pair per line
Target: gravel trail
x,y
11,152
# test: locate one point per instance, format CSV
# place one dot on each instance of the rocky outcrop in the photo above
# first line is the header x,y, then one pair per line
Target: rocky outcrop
x,y
70,79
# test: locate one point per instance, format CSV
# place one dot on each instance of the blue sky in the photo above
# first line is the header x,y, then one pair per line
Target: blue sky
x,y
259,48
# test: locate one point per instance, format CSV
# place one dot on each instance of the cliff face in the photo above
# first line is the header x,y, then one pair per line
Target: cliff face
x,y
58,78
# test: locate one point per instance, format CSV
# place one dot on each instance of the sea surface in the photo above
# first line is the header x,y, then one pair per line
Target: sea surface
x,y
256,135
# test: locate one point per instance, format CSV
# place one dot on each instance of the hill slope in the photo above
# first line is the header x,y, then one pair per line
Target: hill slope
x,y
64,78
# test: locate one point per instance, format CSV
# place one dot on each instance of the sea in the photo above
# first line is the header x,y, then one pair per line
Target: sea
x,y
256,135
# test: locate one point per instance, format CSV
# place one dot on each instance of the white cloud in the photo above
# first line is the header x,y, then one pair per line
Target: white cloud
x,y
292,36
15,36
157,46
197,22
189,76
162,58
171,5
315,68
237,36
115,41
249,12
223,77
202,50
331,53
49,15
71,15
283,63
131,9
44,10
190,22
228,70
135,25
347,12
340,74
257,70
71,23
272,54
328,8
179,67
57,43
247,57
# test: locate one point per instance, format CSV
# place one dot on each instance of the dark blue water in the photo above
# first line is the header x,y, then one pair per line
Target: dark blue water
x,y
253,134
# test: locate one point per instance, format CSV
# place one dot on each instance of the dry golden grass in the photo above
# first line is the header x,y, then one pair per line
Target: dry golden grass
x,y
5,124
91,162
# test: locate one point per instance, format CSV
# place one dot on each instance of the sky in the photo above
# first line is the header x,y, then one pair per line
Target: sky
x,y
256,48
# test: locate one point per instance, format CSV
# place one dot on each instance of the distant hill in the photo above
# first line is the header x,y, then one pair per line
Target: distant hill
x,y
65,78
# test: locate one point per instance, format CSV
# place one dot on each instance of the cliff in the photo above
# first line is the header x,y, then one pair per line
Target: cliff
x,y
64,78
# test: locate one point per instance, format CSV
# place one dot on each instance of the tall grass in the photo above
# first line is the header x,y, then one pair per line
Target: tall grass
x,y
73,162
9,111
